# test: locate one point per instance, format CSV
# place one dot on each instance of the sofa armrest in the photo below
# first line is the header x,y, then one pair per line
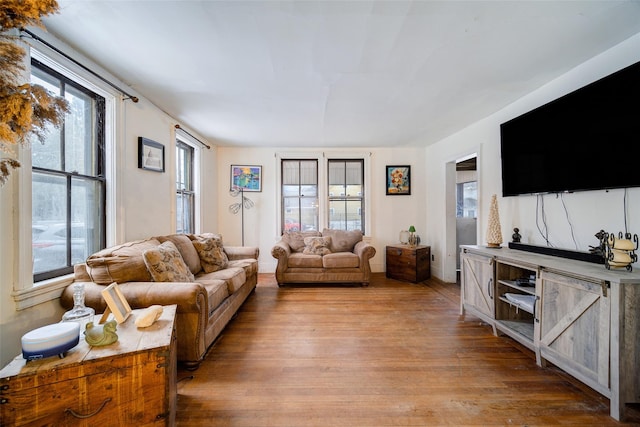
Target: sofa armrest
x,y
364,250
190,297
241,252
281,252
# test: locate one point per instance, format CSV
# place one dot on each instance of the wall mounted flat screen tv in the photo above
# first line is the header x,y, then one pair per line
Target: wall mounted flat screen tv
x,y
585,140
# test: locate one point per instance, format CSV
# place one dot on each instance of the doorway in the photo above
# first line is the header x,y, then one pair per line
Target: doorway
x,y
462,190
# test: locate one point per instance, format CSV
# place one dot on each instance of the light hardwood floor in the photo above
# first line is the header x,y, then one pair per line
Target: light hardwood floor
x,y
391,354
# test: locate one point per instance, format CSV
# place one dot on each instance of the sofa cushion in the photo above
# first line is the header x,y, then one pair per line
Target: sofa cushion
x,y
295,239
234,277
211,253
316,245
121,263
342,240
250,266
217,291
166,264
300,260
341,260
188,252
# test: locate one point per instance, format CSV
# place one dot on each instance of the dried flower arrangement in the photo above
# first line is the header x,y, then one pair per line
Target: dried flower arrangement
x,y
26,110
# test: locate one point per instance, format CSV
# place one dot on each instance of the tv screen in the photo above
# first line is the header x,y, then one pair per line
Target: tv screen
x,y
585,140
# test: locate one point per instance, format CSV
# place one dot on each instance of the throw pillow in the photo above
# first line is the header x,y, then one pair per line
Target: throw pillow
x,y
165,264
317,245
342,240
189,255
295,239
211,253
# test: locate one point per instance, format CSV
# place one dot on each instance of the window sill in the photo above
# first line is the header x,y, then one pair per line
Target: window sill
x,y
41,292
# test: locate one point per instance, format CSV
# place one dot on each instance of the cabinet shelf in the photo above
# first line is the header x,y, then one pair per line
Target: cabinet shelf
x,y
514,284
520,327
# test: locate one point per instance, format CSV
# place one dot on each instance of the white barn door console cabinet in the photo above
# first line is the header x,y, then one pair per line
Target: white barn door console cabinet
x,y
579,316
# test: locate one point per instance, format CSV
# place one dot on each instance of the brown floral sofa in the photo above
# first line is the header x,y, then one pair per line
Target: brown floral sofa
x,y
333,256
207,280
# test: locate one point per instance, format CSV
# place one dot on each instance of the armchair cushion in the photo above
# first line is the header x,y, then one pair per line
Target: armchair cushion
x,y
165,264
316,245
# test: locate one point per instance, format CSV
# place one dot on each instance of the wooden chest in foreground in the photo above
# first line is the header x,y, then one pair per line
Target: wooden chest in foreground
x,y
130,382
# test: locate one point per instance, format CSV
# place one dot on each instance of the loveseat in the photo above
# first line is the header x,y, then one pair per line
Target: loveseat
x,y
207,280
330,256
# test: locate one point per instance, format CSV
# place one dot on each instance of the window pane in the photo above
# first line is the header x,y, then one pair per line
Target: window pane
x,y
48,154
309,213
49,224
86,227
185,198
346,194
290,190
345,214
78,134
184,213
309,190
299,195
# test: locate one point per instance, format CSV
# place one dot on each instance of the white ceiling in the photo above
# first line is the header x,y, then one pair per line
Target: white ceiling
x,y
338,73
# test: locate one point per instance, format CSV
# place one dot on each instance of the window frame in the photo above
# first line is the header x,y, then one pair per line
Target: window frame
x,y
73,176
27,293
300,197
342,197
323,191
196,176
187,192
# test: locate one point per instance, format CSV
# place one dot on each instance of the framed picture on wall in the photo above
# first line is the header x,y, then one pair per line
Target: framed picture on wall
x,y
398,180
246,177
150,155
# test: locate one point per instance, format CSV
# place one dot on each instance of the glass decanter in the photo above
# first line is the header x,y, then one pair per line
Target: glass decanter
x,y
79,313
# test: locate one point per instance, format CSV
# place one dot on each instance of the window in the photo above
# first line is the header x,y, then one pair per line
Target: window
x,y
346,189
185,194
466,199
299,195
324,190
68,180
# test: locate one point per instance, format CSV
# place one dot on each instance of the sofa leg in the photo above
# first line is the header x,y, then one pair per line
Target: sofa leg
x,y
365,284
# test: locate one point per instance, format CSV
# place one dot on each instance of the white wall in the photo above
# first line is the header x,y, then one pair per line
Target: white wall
x,y
588,212
389,214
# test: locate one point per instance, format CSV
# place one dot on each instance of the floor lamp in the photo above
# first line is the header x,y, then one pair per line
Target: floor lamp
x,y
244,203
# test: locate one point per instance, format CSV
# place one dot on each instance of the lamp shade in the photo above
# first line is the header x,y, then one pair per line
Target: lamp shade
x,y
412,229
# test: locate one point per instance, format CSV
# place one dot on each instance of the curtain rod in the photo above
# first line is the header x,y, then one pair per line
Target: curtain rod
x,y
50,46
187,132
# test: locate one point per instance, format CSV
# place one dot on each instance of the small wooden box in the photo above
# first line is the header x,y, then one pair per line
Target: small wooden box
x,y
408,263
130,382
